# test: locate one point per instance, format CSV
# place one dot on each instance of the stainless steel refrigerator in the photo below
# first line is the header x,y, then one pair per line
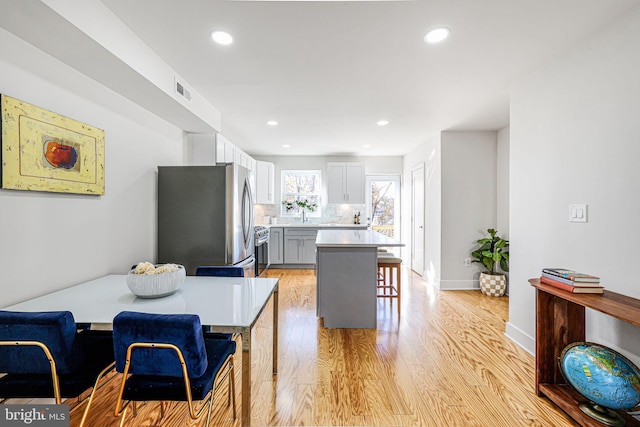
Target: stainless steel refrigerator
x,y
205,217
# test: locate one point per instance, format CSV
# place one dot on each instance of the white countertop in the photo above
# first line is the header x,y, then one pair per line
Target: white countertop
x,y
315,225
354,238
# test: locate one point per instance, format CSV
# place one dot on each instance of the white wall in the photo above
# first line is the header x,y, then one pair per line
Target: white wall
x,y
502,186
468,202
574,139
51,241
502,182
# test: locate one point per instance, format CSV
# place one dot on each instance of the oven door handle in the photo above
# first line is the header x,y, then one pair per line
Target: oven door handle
x,y
263,258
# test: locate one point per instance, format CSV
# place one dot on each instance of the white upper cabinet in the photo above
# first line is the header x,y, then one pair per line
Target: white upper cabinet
x,y
252,164
243,159
265,183
355,182
346,183
225,150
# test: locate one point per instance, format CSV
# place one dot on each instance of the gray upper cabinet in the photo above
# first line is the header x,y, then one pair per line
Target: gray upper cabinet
x,y
346,183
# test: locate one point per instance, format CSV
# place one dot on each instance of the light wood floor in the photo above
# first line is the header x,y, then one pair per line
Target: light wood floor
x,y
446,361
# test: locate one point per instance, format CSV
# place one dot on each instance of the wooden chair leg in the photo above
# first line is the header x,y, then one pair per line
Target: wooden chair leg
x,y
389,282
399,273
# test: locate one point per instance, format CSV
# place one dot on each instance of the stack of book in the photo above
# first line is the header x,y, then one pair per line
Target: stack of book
x,y
572,281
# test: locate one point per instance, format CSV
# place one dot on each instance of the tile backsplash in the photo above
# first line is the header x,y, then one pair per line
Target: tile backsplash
x,y
339,214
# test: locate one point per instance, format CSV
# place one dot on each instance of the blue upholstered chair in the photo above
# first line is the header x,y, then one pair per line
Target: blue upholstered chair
x,y
43,355
220,270
166,357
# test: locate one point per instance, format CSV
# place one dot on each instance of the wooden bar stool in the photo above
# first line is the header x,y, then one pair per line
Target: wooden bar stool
x,y
382,252
387,265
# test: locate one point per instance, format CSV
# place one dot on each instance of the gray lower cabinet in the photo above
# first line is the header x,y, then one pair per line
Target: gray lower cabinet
x,y
346,290
292,250
276,245
309,249
300,245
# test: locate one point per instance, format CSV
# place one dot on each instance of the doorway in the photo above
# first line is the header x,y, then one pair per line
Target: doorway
x,y
417,219
383,204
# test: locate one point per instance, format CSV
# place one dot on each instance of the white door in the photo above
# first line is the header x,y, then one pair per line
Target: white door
x,y
383,204
417,219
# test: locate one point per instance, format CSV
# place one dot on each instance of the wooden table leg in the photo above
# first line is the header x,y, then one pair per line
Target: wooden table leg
x,y
246,377
558,323
246,362
275,330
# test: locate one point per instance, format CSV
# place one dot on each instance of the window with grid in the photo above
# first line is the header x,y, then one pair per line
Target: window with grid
x,y
299,185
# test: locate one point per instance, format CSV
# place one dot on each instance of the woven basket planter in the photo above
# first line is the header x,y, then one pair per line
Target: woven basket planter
x,y
493,285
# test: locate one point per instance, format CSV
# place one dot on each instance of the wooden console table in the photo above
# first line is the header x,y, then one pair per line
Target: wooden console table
x,y
560,320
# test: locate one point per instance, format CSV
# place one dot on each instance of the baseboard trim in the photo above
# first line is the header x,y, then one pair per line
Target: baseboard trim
x,y
522,339
293,266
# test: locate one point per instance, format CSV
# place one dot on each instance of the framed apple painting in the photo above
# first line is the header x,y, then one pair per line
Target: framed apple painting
x,y
44,151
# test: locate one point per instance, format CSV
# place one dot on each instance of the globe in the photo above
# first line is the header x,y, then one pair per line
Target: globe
x,y
605,377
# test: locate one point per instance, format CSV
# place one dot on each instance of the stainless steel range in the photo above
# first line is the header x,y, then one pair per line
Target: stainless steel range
x,y
261,238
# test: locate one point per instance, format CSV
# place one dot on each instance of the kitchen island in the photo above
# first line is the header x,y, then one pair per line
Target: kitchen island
x,y
347,266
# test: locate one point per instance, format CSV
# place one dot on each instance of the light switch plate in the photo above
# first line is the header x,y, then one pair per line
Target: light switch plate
x,y
578,213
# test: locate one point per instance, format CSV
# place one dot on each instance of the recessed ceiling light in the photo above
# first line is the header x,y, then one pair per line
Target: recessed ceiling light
x,y
366,146
382,122
437,35
221,37
272,123
286,146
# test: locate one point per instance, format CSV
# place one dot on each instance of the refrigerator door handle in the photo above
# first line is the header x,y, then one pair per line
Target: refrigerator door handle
x,y
247,214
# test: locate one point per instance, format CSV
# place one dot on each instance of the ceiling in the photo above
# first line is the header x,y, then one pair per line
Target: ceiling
x,y
327,71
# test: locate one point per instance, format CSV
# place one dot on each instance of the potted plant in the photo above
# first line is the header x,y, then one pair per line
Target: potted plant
x,y
492,254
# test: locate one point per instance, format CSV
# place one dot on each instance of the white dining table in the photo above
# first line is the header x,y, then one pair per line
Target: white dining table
x,y
224,304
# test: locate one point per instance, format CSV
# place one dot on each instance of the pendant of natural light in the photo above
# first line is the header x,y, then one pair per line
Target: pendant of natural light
x,y
221,37
437,35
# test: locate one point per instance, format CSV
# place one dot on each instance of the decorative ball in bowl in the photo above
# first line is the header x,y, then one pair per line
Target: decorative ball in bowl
x,y
154,281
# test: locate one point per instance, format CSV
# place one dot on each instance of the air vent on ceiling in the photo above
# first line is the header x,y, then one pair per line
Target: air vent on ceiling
x,y
181,89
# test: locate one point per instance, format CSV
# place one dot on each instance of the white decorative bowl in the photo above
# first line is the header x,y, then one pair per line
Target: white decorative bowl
x,y
155,285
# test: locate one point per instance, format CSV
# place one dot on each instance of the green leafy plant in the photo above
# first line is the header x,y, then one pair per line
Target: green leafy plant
x,y
302,204
493,251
